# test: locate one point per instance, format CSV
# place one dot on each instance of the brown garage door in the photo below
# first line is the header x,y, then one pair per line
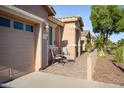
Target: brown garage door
x,y
16,50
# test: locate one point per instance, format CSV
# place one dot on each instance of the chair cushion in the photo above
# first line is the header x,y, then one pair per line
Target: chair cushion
x,y
58,57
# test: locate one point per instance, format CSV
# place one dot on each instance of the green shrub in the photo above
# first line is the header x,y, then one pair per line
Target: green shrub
x,y
113,50
88,47
119,54
101,53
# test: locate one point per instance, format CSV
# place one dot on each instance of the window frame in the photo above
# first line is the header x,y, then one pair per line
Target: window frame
x,y
23,24
9,20
50,36
32,28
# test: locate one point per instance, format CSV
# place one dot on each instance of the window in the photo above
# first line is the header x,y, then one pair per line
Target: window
x,y
50,35
4,22
18,25
29,28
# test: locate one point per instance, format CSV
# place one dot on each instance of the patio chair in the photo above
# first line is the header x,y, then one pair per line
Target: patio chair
x,y
67,54
57,57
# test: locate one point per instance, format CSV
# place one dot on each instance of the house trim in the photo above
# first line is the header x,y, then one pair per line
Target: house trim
x,y
56,21
49,8
21,13
53,33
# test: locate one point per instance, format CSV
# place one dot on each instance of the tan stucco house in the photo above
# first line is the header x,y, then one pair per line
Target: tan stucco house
x,y
66,33
85,39
55,34
27,32
72,34
92,39
23,39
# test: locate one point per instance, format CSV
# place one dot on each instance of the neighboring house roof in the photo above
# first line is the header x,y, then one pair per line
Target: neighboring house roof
x,y
50,9
56,21
92,36
72,19
84,33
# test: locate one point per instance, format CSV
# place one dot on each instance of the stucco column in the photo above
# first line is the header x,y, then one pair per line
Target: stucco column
x,y
59,36
47,32
53,35
79,47
38,59
84,45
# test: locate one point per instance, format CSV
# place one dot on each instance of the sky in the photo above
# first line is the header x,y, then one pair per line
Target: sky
x,y
84,12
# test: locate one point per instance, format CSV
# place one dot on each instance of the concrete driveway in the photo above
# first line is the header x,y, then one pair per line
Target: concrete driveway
x,y
46,80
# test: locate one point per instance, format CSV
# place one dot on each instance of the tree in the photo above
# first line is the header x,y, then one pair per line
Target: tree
x,y
99,45
120,42
107,20
119,52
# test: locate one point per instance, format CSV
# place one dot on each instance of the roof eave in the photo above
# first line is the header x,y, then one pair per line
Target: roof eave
x,y
51,10
56,21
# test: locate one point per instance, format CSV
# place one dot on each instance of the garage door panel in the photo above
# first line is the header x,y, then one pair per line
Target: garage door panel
x,y
4,75
16,37
20,73
16,52
14,62
20,55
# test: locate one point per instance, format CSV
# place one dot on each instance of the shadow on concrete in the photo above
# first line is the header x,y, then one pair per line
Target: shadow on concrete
x,y
3,86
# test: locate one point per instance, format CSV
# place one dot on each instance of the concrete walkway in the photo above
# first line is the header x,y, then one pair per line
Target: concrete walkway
x,y
45,80
75,69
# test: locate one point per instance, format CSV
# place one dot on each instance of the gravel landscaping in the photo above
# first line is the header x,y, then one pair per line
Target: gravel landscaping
x,y
109,71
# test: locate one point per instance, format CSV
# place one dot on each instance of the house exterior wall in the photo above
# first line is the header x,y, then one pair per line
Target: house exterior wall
x,y
78,42
78,24
20,50
67,37
84,43
86,39
58,36
69,34
53,26
45,47
72,33
37,10
61,34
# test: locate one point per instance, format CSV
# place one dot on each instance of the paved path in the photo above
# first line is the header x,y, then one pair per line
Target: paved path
x,y
45,80
71,69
